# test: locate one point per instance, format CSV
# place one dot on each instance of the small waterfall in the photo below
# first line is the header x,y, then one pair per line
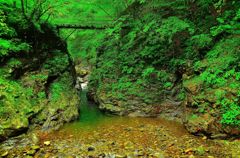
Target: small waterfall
x,y
89,111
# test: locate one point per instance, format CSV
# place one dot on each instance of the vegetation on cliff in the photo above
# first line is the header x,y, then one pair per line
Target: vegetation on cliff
x,y
36,75
184,51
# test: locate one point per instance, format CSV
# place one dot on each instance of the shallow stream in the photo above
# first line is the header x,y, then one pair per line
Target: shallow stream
x,y
99,135
96,135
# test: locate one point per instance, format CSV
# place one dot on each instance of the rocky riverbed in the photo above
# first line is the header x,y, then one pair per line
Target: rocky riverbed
x,y
119,137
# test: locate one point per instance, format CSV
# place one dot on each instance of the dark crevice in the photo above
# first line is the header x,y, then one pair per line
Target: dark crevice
x,y
50,80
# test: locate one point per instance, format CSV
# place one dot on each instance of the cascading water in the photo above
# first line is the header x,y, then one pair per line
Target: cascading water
x,y
88,110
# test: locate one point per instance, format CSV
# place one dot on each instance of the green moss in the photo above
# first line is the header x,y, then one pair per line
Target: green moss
x,y
193,81
14,99
57,64
61,87
39,77
56,90
181,95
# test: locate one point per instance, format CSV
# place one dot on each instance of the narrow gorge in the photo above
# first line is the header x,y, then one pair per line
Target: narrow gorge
x,y
119,79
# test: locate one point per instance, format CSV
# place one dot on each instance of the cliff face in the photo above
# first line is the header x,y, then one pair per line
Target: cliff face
x,y
173,59
37,76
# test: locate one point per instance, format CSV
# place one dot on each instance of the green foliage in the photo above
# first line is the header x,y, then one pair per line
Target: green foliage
x,y
148,71
181,95
157,41
58,64
9,44
126,55
86,51
171,26
168,85
222,66
220,69
60,87
231,112
39,77
41,95
4,29
56,91
4,46
228,23
201,41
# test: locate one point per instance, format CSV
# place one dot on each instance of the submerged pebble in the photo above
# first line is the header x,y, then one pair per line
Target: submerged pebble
x,y
122,138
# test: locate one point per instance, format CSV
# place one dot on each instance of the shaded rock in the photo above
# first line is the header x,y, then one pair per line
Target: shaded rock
x,y
219,136
34,138
80,71
197,124
91,148
193,86
110,108
63,109
13,126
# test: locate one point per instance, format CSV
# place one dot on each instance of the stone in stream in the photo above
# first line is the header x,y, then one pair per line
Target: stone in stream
x,y
31,152
139,153
128,145
189,150
128,129
80,71
102,155
35,147
159,155
4,154
34,138
120,156
91,148
47,143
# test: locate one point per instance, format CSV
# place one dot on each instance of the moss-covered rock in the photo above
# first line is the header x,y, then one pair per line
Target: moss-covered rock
x,y
213,105
36,81
63,105
16,107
